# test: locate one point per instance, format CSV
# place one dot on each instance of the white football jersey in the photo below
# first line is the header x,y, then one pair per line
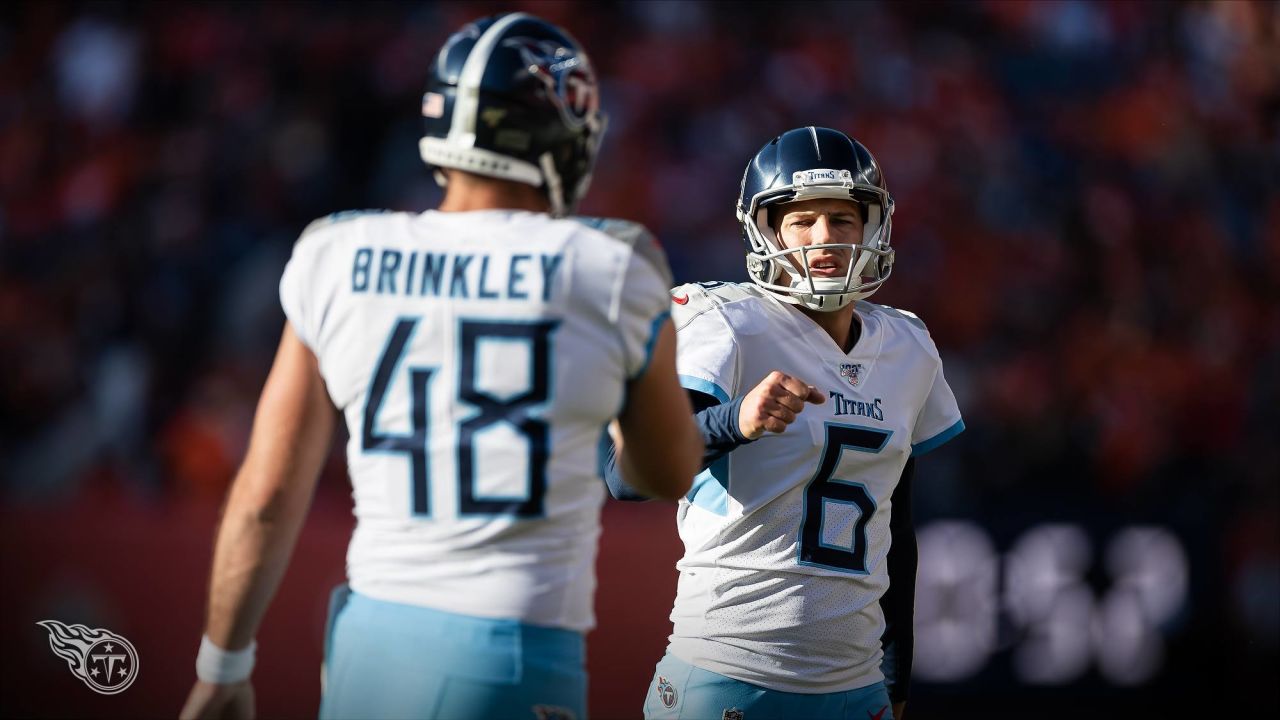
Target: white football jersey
x,y
477,358
786,537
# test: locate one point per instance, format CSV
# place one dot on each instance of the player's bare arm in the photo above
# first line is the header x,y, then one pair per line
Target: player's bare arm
x,y
659,447
264,513
774,403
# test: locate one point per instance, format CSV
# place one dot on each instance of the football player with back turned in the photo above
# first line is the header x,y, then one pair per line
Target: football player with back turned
x,y
800,560
476,352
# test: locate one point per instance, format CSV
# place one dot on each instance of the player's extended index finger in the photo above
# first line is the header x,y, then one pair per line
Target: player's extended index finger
x,y
797,387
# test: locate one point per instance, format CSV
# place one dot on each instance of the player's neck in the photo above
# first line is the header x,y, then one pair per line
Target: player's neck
x,y
466,192
839,324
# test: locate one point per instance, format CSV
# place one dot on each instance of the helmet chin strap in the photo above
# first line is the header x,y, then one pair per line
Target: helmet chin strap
x,y
821,303
555,190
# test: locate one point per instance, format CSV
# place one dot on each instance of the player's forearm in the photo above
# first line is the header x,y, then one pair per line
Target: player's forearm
x,y
718,425
666,474
271,494
663,480
657,442
612,472
255,540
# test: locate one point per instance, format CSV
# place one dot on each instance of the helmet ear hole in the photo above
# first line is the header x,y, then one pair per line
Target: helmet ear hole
x,y
764,223
773,218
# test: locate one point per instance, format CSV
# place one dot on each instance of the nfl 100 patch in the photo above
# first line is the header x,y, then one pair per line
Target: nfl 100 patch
x,y
851,372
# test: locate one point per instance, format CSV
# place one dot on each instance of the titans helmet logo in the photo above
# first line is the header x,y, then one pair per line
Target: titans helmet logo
x,y
568,77
103,660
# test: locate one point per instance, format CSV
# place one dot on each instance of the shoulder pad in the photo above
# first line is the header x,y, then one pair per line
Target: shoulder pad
x,y
621,229
895,313
693,299
631,233
337,218
636,236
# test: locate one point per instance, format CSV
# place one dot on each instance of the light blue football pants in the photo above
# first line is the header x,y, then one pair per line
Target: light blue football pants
x,y
389,660
680,691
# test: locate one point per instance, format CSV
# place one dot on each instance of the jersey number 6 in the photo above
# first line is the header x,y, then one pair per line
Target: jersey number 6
x,y
823,491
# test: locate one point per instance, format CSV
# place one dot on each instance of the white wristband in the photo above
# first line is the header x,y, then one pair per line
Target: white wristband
x,y
215,665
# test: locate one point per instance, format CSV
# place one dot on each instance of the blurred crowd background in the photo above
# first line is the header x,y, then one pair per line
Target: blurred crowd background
x,y
1087,220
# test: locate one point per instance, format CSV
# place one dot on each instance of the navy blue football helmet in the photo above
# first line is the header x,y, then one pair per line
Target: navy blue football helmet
x,y
803,164
515,97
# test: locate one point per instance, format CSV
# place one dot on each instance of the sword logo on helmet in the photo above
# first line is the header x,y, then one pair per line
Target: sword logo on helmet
x,y
570,83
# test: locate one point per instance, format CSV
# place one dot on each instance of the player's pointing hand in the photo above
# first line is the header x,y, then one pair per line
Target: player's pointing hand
x,y
774,404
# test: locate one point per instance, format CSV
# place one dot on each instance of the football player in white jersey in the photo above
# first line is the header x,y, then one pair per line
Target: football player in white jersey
x,y
476,353
812,402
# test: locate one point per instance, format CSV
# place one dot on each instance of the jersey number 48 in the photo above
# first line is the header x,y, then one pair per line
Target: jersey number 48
x,y
514,409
